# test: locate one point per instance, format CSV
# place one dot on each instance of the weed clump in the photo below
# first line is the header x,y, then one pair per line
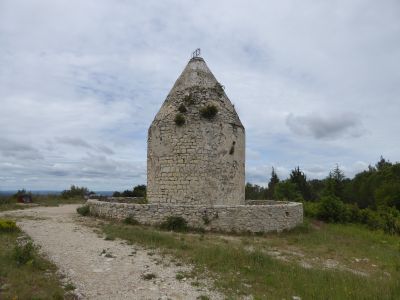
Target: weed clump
x,y
24,253
209,111
83,210
175,224
179,119
206,220
8,226
131,221
182,108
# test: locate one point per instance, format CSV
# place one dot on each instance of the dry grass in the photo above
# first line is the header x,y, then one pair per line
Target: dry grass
x,y
275,266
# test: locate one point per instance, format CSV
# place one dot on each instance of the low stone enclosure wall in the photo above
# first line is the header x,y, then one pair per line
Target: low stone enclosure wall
x,y
276,216
124,199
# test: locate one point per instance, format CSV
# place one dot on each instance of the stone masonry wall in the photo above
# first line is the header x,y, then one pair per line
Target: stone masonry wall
x,y
202,161
240,218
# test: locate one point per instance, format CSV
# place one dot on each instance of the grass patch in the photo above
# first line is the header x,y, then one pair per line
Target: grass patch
x,y
69,287
24,274
238,271
8,226
179,276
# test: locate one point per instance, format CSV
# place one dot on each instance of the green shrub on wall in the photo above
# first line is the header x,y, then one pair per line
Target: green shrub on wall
x,y
179,119
209,111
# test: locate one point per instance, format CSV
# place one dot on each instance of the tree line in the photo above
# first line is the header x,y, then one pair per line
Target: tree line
x,y
372,197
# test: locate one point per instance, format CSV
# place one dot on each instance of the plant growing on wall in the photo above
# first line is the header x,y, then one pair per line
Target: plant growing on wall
x,y
179,119
209,111
182,108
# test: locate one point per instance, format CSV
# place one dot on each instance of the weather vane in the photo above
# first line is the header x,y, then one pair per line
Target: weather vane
x,y
196,53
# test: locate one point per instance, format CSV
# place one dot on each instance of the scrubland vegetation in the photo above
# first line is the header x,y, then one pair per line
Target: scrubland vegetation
x,y
371,198
24,274
72,195
315,261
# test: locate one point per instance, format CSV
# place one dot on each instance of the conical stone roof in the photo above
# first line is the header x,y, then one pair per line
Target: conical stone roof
x,y
197,77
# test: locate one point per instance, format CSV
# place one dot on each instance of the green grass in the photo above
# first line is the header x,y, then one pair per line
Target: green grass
x,y
24,274
240,271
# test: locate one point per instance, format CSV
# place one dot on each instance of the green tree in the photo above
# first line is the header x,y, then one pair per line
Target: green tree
x,y
335,183
298,178
75,191
270,191
254,192
139,190
287,191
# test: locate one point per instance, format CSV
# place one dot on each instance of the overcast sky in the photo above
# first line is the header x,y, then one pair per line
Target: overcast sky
x,y
315,83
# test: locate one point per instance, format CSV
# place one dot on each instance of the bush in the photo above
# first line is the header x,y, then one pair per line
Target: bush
x,y
179,119
209,112
137,191
24,254
8,226
311,209
83,210
331,209
131,221
75,191
175,224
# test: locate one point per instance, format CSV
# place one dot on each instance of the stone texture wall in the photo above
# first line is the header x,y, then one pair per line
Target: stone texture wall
x,y
202,161
241,218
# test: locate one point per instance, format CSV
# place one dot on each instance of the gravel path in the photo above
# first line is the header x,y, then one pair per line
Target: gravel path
x,y
102,269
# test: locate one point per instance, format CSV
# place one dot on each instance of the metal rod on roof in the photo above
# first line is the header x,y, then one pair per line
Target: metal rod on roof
x,y
196,53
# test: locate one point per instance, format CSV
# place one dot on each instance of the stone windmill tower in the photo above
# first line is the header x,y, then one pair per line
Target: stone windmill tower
x,y
196,144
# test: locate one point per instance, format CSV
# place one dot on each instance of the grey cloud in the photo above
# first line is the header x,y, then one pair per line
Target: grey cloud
x,y
19,150
74,141
105,149
325,127
79,142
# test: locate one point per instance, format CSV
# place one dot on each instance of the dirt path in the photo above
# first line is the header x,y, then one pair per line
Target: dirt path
x,y
102,269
